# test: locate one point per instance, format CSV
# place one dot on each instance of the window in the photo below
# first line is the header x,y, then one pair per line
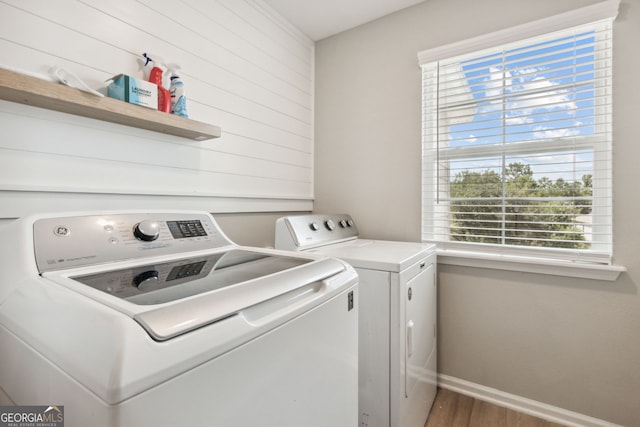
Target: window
x,y
517,146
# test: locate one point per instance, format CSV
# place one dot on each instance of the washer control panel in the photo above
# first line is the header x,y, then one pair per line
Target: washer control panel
x,y
75,241
300,232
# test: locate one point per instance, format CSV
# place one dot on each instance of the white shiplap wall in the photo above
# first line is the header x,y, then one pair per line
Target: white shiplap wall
x,y
245,68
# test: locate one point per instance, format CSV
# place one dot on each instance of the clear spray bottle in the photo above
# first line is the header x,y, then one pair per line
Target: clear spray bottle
x,y
178,94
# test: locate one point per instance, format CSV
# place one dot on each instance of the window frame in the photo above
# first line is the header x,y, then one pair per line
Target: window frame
x,y
465,250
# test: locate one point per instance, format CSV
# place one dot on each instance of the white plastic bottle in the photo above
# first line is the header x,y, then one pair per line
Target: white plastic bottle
x,y
178,95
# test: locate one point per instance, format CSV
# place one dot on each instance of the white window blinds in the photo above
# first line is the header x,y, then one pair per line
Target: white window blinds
x,y
517,146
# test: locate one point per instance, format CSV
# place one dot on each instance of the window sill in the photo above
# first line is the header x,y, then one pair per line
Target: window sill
x,y
530,265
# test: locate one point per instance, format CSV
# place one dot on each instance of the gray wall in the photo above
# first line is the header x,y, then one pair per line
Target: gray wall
x,y
571,343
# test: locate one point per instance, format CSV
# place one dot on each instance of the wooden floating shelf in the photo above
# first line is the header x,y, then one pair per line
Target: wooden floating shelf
x,y
36,92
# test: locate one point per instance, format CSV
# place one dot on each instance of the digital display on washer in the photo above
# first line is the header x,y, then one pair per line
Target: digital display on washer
x,y
170,281
184,229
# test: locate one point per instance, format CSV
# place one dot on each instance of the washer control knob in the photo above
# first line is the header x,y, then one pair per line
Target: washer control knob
x,y
350,223
147,280
330,224
314,226
147,231
343,223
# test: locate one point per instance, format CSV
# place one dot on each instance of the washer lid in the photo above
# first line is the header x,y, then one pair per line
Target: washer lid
x,y
191,313
171,298
164,282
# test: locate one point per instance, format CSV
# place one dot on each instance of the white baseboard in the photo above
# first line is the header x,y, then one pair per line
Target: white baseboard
x,y
521,404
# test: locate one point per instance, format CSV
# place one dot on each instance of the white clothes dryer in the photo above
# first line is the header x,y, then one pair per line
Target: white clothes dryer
x,y
397,320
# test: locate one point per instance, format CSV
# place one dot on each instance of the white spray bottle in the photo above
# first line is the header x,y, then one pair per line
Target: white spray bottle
x,y
178,94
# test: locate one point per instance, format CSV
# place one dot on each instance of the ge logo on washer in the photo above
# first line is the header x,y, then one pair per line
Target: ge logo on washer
x,y
61,231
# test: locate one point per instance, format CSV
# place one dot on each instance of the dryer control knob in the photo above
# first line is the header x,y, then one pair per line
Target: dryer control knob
x,y
146,231
314,226
343,223
330,224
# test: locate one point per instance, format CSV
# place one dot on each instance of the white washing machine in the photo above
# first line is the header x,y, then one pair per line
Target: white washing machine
x,y
157,319
397,320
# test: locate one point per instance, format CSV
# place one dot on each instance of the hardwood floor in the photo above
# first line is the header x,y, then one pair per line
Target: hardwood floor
x,y
451,409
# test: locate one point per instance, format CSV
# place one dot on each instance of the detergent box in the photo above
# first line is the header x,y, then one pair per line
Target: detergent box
x,y
134,91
